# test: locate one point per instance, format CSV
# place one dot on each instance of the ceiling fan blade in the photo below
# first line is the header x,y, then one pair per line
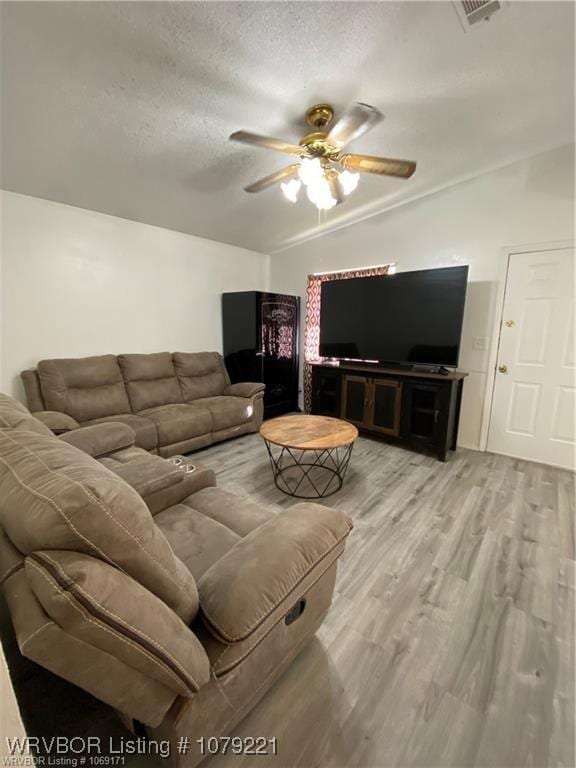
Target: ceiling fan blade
x,y
355,122
385,166
267,142
274,178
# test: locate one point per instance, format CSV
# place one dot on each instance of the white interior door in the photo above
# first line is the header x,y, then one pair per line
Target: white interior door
x,y
533,409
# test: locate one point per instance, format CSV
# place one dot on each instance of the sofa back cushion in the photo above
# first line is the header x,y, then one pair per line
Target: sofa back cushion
x,y
201,374
85,388
34,397
53,496
150,380
14,415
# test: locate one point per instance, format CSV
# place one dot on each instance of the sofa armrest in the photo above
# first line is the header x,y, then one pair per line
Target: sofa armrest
x,y
100,605
165,482
262,576
56,421
101,439
151,476
245,389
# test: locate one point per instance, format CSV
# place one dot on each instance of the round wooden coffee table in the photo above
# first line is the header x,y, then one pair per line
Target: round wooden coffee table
x,y
309,455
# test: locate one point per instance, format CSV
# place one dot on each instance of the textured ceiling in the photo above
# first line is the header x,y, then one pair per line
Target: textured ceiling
x,y
125,107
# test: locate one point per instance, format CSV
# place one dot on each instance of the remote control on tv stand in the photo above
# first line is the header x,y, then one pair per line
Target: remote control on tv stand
x,y
430,369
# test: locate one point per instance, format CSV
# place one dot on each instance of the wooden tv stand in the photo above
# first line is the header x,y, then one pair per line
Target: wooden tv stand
x,y
418,408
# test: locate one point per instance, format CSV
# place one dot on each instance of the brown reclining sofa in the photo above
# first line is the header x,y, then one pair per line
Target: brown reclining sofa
x,y
175,402
137,579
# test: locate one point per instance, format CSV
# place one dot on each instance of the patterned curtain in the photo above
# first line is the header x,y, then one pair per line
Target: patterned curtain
x,y
312,319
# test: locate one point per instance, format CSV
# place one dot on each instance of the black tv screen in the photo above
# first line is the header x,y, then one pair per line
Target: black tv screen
x,y
410,317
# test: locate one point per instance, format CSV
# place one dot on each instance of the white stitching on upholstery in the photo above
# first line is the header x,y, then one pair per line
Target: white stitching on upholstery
x,y
101,626
261,619
36,632
138,631
87,491
53,504
236,662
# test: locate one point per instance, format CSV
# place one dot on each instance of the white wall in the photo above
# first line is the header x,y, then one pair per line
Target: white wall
x,y
76,282
531,201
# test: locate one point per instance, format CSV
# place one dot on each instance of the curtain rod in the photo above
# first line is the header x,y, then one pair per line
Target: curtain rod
x,y
354,269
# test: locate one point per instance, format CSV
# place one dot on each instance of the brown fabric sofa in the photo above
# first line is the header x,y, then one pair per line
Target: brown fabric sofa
x,y
140,581
175,402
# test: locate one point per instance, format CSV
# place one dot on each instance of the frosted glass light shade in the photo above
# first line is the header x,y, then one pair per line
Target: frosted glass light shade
x,y
290,189
310,170
320,194
348,181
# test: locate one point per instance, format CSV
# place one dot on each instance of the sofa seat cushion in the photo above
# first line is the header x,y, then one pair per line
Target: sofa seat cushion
x,y
178,422
239,515
197,540
150,380
84,388
201,374
227,411
144,429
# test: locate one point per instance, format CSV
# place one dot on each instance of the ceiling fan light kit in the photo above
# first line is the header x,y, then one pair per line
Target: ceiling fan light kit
x,y
327,174
291,189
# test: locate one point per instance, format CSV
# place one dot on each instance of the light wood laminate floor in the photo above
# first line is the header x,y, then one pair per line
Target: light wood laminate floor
x,y
450,641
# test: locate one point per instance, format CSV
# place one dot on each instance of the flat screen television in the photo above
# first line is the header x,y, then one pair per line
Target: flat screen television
x,y
407,318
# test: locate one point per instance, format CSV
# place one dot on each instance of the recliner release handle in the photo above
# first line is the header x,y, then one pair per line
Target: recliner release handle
x,y
295,612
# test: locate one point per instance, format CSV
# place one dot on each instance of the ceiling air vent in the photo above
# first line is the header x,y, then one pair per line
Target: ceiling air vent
x,y
478,10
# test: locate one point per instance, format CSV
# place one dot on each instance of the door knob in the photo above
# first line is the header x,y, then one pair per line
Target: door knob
x,y
503,368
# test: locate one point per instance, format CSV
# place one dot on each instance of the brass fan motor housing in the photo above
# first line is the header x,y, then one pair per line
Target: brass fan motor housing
x,y
317,145
320,116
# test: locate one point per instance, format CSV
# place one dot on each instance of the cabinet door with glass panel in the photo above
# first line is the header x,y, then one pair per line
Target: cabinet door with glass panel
x,y
384,406
372,403
355,398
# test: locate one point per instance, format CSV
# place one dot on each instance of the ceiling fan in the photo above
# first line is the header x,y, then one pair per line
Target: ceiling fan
x,y
328,173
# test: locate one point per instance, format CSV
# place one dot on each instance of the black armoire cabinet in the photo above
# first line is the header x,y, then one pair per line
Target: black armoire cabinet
x,y
260,333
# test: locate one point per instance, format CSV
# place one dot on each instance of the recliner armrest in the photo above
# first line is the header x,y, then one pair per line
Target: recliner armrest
x,y
148,477
163,483
245,389
101,439
100,605
56,421
261,577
